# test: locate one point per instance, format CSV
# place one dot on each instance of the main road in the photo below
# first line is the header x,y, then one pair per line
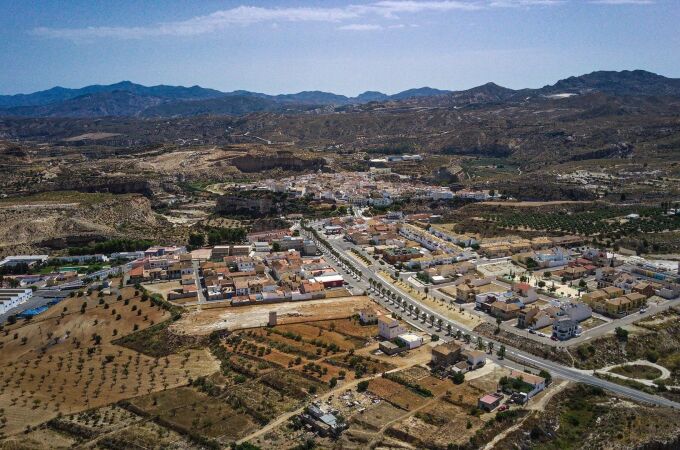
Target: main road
x,y
558,370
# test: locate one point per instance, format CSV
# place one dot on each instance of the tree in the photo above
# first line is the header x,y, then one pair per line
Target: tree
x,y
276,247
458,377
333,382
621,334
362,386
501,352
448,329
196,239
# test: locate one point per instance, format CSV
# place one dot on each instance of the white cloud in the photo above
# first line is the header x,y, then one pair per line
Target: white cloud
x,y
523,3
623,2
249,15
360,27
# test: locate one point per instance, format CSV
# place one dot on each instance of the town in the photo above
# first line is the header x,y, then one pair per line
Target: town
x,y
452,308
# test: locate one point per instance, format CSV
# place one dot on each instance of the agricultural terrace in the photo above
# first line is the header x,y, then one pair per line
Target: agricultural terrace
x,y
67,360
591,219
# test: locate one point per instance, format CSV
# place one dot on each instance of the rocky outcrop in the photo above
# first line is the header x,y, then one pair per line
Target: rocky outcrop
x,y
282,160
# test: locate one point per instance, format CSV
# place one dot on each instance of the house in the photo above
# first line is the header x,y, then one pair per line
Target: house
x,y
572,273
389,328
323,422
489,402
410,340
245,264
537,383
313,288
444,355
368,316
390,348
503,310
625,282
606,301
330,281
526,317
576,311
395,255
565,328
241,287
644,288
136,274
474,358
526,291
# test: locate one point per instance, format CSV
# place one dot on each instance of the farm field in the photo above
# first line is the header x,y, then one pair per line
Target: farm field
x,y
65,361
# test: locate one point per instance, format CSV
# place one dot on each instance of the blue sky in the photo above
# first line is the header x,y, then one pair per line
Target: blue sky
x,y
343,47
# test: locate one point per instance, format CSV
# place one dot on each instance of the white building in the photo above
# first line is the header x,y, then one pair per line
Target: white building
x,y
246,264
565,328
577,311
23,259
411,340
11,298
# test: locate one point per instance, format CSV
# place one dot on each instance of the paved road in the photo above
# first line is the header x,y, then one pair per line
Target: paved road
x,y
199,288
556,369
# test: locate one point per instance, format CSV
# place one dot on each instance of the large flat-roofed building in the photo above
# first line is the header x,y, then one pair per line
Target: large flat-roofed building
x,y
29,260
11,298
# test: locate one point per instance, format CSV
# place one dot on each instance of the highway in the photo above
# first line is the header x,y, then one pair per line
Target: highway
x,y
557,370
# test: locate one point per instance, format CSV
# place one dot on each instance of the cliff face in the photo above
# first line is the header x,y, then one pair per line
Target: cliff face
x,y
235,204
117,185
54,220
284,160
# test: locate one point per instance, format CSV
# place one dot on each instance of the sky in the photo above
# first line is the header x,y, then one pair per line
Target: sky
x,y
342,47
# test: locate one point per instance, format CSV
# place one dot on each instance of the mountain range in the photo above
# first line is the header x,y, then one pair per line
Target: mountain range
x,y
130,99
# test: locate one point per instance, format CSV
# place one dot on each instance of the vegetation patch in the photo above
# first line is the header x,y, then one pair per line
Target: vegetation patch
x,y
639,371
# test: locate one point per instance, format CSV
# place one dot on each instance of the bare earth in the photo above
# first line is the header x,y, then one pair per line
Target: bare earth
x,y
206,320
